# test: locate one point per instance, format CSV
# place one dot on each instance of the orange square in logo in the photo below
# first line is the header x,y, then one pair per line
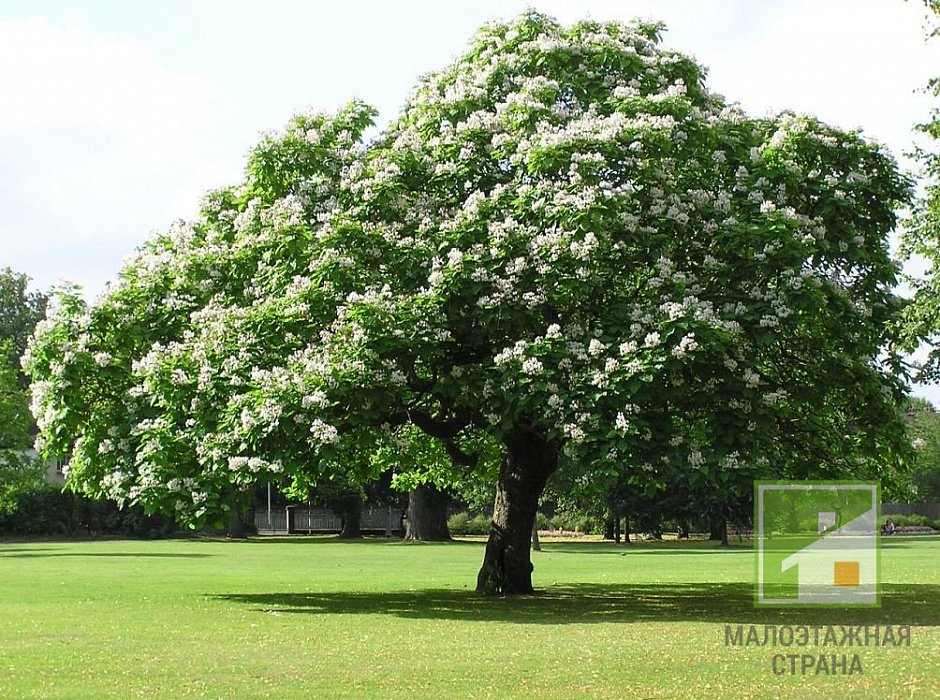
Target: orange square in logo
x,y
846,573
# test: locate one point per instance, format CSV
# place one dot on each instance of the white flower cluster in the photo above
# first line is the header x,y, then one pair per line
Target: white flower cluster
x,y
254,465
323,433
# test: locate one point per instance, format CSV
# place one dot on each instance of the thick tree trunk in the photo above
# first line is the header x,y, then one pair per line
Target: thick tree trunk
x,y
427,515
536,545
352,522
527,464
617,530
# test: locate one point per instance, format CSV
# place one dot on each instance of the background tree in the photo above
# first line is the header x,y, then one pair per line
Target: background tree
x,y
20,311
923,480
566,252
921,235
19,472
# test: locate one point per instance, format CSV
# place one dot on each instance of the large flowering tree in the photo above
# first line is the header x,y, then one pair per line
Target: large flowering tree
x,y
565,253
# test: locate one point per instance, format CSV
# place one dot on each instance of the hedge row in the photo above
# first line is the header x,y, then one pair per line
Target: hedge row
x,y
52,511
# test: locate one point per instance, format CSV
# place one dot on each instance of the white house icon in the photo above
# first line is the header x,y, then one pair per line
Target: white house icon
x,y
841,566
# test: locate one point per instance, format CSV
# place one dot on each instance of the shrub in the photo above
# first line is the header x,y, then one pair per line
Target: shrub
x,y
457,523
913,520
574,521
463,524
479,525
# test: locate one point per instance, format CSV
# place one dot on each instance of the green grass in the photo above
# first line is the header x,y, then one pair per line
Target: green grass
x,y
315,617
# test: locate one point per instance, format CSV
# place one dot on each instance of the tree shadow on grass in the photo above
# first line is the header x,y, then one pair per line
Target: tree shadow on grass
x,y
666,547
728,603
42,554
907,541
369,540
698,547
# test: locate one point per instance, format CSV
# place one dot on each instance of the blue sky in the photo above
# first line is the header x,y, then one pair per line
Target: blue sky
x,y
117,116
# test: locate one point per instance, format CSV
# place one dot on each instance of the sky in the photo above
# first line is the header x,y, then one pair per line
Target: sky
x,y
116,117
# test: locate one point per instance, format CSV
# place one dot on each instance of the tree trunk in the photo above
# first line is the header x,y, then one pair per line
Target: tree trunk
x,y
720,532
536,545
609,529
617,530
528,462
352,522
236,525
626,530
236,515
427,515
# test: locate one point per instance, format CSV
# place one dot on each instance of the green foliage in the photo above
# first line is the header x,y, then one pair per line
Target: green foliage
x,y
921,321
14,405
462,524
20,310
913,519
457,523
922,482
19,471
541,521
570,519
48,510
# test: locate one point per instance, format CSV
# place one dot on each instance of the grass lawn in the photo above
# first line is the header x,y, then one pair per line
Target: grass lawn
x,y
316,617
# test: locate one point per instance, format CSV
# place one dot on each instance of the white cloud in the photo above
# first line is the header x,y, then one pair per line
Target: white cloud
x,y
71,76
94,130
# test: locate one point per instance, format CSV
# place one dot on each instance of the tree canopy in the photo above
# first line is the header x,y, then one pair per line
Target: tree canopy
x,y
565,252
921,236
18,470
923,479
